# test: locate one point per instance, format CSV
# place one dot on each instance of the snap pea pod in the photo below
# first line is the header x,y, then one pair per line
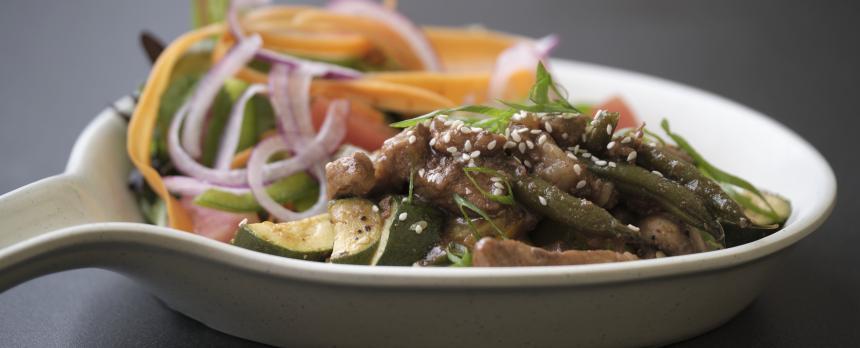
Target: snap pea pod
x,y
550,201
297,189
671,196
718,202
601,131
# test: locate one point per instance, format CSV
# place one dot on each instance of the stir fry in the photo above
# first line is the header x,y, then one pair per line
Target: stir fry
x,y
283,146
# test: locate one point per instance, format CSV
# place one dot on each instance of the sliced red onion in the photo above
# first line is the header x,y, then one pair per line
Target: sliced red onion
x,y
290,96
401,25
317,68
208,87
230,137
268,147
523,55
318,149
188,186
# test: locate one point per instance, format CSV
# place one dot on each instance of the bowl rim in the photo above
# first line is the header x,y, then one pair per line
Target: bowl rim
x,y
251,261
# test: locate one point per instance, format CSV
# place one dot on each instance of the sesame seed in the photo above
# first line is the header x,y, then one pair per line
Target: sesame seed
x,y
452,150
583,137
522,130
527,163
408,133
448,123
564,135
530,144
402,216
433,142
657,173
576,148
471,163
491,145
599,113
375,208
638,134
507,132
467,191
542,200
495,179
404,199
612,164
467,146
475,154
421,172
535,131
465,130
522,147
571,156
243,222
497,192
580,184
466,157
626,140
509,144
609,129
659,254
634,228
586,155
418,229
446,137
499,185
610,145
516,137
476,129
541,139
631,157
412,139
422,224
577,168
547,126
600,163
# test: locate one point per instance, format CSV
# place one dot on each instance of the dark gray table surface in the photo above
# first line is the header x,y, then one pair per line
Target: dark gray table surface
x,y
799,62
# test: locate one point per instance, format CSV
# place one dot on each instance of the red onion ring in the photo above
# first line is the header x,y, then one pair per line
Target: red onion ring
x,y
318,68
266,148
188,186
230,137
290,97
208,87
401,25
523,55
318,149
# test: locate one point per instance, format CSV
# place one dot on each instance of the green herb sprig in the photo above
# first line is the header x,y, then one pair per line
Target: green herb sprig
x,y
459,255
464,204
495,119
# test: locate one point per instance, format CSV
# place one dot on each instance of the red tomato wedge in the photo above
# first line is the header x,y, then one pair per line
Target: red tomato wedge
x,y
616,104
365,126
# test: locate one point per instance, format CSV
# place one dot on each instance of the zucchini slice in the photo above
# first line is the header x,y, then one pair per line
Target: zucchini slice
x,y
757,211
357,226
306,239
411,229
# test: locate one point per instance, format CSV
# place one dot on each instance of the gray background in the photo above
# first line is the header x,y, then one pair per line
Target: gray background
x,y
63,61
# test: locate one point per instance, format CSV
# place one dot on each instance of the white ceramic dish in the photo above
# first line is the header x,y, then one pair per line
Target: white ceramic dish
x,y
87,218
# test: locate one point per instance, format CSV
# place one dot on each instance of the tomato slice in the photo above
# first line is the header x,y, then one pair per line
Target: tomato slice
x,y
617,104
365,126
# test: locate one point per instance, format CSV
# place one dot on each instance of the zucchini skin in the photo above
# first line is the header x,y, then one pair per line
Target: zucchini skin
x,y
407,243
247,238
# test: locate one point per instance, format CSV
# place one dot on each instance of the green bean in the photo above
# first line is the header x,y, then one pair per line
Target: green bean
x,y
671,196
601,131
550,201
297,189
718,202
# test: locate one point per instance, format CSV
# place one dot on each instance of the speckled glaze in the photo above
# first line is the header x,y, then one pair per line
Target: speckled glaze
x,y
87,218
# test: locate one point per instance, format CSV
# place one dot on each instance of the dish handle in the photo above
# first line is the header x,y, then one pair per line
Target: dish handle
x,y
43,206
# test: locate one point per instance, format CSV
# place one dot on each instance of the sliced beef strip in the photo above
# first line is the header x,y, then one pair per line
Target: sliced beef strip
x,y
443,176
350,176
666,234
399,156
489,252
